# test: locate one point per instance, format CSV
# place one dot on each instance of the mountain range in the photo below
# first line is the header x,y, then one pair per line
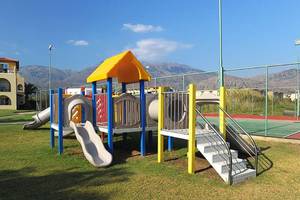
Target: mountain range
x,y
280,81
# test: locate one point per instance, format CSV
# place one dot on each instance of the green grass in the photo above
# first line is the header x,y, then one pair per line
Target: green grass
x,y
249,101
29,169
15,116
4,113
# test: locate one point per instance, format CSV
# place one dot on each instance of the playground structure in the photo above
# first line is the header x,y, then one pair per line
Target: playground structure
x,y
108,112
221,149
174,114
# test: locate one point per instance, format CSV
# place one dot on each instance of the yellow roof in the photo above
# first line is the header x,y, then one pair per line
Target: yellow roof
x,y
124,66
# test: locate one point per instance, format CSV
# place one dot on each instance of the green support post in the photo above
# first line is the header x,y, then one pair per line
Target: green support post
x,y
298,91
266,101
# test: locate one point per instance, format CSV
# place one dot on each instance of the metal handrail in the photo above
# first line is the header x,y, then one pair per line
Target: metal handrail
x,y
244,142
248,135
223,141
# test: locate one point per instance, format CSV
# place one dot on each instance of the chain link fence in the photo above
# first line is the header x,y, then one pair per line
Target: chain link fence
x,y
264,99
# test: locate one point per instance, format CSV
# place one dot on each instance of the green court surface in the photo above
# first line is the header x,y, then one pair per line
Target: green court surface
x,y
275,128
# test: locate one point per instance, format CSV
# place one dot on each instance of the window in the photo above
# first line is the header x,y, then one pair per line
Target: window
x,y
4,67
4,85
4,100
20,87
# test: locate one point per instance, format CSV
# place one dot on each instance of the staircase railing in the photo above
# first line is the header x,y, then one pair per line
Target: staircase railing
x,y
236,130
229,161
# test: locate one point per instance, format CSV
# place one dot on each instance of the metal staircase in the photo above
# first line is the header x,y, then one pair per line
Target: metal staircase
x,y
224,160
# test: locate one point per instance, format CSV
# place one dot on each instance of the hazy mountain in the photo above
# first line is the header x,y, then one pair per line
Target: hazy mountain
x,y
38,75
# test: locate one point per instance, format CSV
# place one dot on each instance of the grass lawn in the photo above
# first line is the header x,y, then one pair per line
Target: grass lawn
x,y
29,169
15,116
4,113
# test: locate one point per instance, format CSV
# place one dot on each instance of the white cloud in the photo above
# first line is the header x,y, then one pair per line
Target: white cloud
x,y
153,49
142,28
78,42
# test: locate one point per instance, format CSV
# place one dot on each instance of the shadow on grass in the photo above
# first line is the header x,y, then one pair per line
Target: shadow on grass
x,y
21,184
264,162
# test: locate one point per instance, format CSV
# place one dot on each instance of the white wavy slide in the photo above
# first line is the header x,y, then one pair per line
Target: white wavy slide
x,y
91,144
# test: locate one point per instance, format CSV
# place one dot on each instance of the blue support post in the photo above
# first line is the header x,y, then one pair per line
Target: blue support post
x,y
82,108
150,138
60,121
170,143
94,92
143,117
123,87
52,141
124,113
110,117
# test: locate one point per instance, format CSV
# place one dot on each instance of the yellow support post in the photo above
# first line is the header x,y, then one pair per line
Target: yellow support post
x,y
221,113
160,142
192,128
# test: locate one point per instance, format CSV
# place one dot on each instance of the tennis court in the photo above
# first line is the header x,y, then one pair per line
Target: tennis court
x,y
275,128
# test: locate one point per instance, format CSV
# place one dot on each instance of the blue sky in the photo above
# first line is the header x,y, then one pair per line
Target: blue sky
x,y
85,32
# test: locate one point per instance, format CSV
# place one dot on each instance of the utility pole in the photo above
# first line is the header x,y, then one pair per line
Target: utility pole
x,y
50,64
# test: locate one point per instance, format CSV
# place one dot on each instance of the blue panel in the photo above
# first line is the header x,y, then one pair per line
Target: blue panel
x,y
124,105
170,143
60,121
82,108
143,118
123,87
110,117
94,92
52,141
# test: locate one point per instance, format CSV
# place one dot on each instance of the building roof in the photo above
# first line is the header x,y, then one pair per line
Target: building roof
x,y
124,66
3,59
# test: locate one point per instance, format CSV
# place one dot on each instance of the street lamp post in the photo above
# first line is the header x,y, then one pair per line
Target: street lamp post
x,y
297,43
50,63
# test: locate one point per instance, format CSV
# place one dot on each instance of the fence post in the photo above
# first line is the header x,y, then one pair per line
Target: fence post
x,y
52,141
183,82
36,101
298,92
160,137
41,101
266,101
192,129
60,121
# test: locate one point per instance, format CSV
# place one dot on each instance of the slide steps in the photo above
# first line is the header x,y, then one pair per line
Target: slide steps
x,y
215,152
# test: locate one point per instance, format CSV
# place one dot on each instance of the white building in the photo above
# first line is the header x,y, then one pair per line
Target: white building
x,y
88,91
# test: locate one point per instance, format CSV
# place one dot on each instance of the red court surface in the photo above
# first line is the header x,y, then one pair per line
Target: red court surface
x,y
294,136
